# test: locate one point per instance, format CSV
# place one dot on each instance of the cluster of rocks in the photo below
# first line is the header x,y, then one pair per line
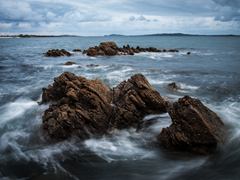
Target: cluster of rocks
x,y
57,53
111,49
108,49
86,108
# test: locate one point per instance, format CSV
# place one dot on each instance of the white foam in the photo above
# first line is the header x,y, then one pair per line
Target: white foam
x,y
117,76
70,66
155,55
188,87
15,109
123,145
230,113
160,82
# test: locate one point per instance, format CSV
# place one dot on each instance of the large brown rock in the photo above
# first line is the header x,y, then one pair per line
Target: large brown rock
x,y
81,107
195,128
134,99
88,107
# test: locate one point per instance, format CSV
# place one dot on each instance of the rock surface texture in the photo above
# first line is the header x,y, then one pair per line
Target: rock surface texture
x,y
83,107
195,128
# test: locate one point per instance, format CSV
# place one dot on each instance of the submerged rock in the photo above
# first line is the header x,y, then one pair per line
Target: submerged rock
x,y
69,63
194,127
85,107
173,86
111,49
57,53
92,65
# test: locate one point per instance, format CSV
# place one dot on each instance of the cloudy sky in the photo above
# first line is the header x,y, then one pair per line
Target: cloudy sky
x,y
100,17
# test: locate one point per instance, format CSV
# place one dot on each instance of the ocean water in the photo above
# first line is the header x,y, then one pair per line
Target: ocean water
x,y
211,73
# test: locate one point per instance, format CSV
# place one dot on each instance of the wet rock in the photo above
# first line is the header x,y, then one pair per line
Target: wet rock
x,y
92,52
195,128
69,63
57,53
188,53
172,50
79,107
108,44
77,50
83,107
134,99
173,86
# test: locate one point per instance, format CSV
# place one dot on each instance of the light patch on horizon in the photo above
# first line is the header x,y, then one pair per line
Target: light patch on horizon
x,y
119,17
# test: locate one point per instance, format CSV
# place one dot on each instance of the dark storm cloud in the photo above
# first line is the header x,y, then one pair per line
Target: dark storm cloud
x,y
228,10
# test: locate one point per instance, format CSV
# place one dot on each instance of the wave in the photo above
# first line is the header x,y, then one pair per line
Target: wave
x,y
15,109
114,77
123,145
155,55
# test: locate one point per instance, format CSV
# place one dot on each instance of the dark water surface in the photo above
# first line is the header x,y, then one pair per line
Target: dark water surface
x,y
211,73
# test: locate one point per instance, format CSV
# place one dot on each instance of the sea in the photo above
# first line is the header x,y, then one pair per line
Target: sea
x,y
210,73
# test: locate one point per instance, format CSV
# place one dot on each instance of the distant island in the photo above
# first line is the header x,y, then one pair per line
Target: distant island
x,y
110,35
35,36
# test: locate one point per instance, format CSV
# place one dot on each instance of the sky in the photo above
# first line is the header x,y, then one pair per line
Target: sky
x,y
128,17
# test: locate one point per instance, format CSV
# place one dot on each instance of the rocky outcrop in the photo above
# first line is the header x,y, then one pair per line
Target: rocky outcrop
x,y
195,128
69,63
85,107
57,53
111,49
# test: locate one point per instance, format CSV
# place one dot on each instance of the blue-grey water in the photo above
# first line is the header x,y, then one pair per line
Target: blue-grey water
x,y
211,73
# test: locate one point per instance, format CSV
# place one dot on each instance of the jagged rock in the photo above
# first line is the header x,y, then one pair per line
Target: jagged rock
x,y
195,128
134,99
88,107
57,53
81,107
77,50
69,63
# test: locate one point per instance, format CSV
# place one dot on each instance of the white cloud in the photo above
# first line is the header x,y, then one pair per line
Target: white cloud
x,y
101,17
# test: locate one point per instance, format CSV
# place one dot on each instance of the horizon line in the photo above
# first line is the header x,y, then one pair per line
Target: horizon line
x,y
111,35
